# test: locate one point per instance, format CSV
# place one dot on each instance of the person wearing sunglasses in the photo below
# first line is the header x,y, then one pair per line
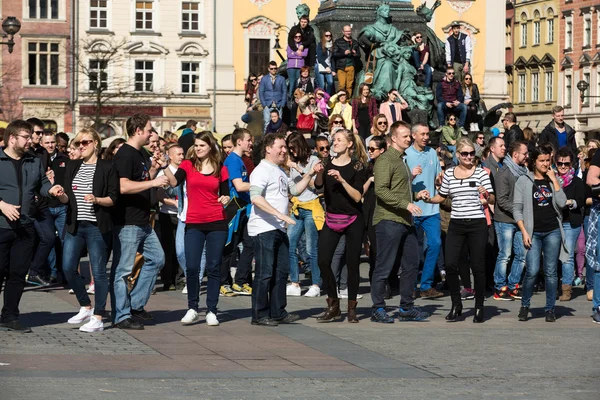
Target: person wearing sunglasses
x,y
326,70
538,203
450,98
472,97
470,189
323,149
308,41
341,108
421,58
451,133
392,108
380,127
295,61
272,93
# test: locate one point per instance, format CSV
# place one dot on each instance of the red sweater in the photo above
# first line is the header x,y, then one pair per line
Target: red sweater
x,y
373,110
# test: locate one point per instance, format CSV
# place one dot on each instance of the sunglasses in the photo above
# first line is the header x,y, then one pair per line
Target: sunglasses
x,y
84,143
382,123
418,37
480,138
467,154
467,79
563,164
38,132
443,167
252,80
328,35
449,73
272,68
372,149
298,36
338,122
323,148
451,119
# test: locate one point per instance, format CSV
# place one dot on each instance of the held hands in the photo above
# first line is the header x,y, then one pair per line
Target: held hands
x,y
317,169
11,212
423,195
160,181
56,191
158,160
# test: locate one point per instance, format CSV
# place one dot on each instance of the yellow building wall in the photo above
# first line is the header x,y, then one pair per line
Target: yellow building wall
x,y
277,11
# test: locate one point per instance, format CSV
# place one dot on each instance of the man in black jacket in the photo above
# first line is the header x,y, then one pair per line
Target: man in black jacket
x,y
308,40
346,54
558,133
512,131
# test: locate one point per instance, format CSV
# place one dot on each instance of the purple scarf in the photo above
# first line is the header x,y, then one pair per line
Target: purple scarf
x,y
566,179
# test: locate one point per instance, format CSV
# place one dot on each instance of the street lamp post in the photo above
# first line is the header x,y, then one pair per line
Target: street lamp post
x,y
11,26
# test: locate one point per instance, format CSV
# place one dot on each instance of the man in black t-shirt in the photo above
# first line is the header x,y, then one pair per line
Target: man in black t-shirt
x,y
133,232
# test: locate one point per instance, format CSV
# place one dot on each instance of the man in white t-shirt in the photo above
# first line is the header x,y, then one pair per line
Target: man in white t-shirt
x,y
269,195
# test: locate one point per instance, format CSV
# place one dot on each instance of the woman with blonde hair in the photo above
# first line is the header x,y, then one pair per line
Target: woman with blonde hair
x,y
381,127
91,190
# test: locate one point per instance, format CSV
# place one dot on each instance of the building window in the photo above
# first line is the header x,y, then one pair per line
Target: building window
x,y
259,56
143,15
568,89
586,99
43,65
43,9
98,75
551,31
522,88
190,16
144,74
190,77
587,31
598,30
523,35
98,14
535,85
536,32
549,85
568,34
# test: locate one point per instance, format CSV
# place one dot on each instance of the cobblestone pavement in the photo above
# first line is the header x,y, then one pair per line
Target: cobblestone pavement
x,y
502,358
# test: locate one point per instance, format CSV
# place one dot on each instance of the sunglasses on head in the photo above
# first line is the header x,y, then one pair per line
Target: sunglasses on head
x,y
563,164
467,154
323,148
372,149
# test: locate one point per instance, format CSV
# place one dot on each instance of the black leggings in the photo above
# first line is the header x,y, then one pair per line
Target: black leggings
x,y
328,241
474,232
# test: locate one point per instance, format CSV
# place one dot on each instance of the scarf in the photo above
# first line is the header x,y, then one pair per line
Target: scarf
x,y
566,179
516,170
329,44
274,126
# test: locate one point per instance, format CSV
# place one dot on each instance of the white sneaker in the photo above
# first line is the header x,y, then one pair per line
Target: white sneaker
x,y
313,291
93,325
293,290
83,315
211,319
71,291
190,317
91,289
184,291
343,294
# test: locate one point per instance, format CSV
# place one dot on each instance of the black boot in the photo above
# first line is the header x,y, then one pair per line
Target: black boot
x,y
455,312
332,312
478,317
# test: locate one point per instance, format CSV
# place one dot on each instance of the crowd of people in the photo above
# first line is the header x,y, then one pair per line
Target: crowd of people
x,y
425,217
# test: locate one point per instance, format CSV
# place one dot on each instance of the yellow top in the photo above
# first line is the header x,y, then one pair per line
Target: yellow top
x,y
314,206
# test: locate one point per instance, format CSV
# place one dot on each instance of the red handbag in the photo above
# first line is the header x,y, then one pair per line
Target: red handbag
x,y
305,122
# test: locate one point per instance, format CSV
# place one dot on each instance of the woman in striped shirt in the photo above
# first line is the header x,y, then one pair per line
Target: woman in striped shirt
x,y
91,190
470,189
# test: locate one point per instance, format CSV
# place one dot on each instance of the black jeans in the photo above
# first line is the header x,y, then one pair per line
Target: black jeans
x,y
243,273
46,233
328,241
475,233
168,231
395,240
16,248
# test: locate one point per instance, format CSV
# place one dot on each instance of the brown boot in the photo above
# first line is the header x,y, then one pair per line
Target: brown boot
x,y
332,312
566,293
352,311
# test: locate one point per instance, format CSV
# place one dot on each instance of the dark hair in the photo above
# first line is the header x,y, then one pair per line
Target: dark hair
x,y
238,134
272,64
564,152
36,122
135,122
535,152
48,132
493,140
515,147
510,117
397,125
214,155
15,127
63,136
226,138
380,141
108,154
391,91
298,142
191,123
269,140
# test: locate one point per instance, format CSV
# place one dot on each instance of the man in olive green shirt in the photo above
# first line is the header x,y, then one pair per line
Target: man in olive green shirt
x,y
395,233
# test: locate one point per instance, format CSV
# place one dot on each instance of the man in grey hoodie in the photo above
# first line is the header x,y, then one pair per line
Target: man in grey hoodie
x,y
508,233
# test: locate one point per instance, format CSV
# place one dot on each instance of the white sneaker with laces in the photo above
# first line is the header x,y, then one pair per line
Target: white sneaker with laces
x,y
91,289
293,290
313,291
211,319
190,317
93,325
83,315
184,291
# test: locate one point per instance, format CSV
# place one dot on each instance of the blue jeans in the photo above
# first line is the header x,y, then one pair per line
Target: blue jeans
x,y
196,241
98,246
510,240
59,215
596,297
568,268
304,223
442,110
293,76
548,243
180,250
271,252
433,230
267,116
128,240
319,77
589,272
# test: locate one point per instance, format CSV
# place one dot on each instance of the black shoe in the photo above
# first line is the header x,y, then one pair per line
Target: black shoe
x,y
265,321
142,314
523,313
129,324
37,281
289,319
478,317
14,326
455,312
550,316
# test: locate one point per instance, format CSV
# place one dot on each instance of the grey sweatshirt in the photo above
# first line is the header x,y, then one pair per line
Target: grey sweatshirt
x,y
523,208
504,188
